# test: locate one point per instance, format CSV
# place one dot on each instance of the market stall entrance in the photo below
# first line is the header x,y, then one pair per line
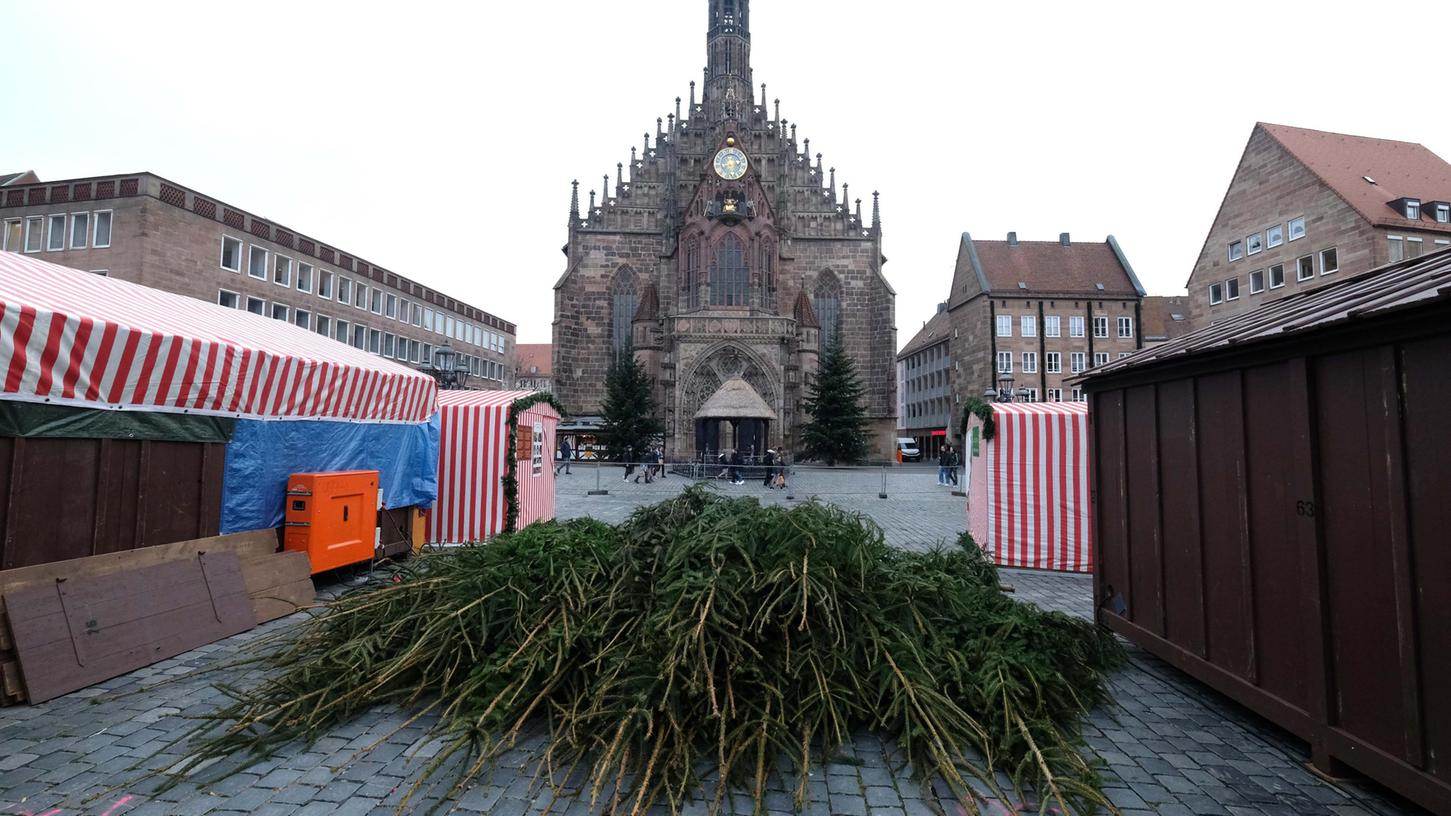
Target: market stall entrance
x,y
734,418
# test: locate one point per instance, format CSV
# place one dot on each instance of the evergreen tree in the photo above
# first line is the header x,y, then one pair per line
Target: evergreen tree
x,y
837,431
630,425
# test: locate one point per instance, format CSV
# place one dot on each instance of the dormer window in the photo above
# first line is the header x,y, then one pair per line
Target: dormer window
x,y
1442,211
1413,209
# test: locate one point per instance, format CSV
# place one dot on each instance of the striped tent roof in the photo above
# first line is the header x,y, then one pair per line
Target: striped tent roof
x,y
74,338
481,399
1054,408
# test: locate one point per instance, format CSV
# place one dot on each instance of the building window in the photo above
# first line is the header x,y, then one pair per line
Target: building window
x,y
1030,362
1075,327
256,305
360,296
1005,362
1297,228
1254,244
360,336
392,306
1305,268
55,242
1413,209
1257,281
1236,250
1052,326
375,341
1100,358
1054,361
1125,327
257,263
438,322
1032,395
35,233
1330,261
427,354
102,237
377,301
729,278
402,310
14,232
231,254
389,343
1443,242
1413,250
1397,247
324,284
1055,395
345,290
1123,354
624,301
323,325
341,330
1231,289
417,315
1005,326
1029,325
80,230
828,308
304,277
1443,213
1277,276
302,318
1100,327
1274,236
281,312
1078,395
282,271
1216,294
227,299
1076,361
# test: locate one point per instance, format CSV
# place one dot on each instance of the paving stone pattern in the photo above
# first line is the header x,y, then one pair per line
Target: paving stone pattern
x,y
1171,747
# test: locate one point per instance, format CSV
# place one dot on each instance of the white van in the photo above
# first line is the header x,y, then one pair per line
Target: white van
x,y
908,449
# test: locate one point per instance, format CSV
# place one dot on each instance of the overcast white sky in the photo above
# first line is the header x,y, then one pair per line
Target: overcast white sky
x,y
439,139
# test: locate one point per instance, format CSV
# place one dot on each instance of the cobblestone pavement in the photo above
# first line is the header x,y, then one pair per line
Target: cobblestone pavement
x,y
1171,747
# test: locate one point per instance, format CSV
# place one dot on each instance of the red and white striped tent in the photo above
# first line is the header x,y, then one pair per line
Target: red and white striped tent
x,y
473,446
74,338
1027,497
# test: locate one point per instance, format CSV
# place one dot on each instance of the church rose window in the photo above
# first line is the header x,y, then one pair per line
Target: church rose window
x,y
729,278
624,301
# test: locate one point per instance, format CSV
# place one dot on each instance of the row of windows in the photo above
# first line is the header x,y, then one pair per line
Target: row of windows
x,y
1269,239
1409,246
358,335
58,231
1054,395
1274,277
284,271
1440,210
1052,326
1053,361
936,407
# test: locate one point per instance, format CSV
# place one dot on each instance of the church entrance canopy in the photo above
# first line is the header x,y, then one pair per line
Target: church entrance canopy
x,y
734,418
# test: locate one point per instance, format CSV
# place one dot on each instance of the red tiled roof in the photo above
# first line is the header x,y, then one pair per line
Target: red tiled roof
x,y
933,331
1164,318
532,355
1400,170
804,312
1044,267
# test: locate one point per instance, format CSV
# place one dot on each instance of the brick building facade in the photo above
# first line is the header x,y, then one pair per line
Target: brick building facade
x,y
1040,312
727,251
147,230
534,367
1306,207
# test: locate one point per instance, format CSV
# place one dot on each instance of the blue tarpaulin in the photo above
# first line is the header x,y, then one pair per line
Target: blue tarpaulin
x,y
263,454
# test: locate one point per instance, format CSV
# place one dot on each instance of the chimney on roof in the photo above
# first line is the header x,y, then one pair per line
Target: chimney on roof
x,y
1064,239
1012,239
941,307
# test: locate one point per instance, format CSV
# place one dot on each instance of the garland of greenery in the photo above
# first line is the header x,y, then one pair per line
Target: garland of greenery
x,y
983,411
511,463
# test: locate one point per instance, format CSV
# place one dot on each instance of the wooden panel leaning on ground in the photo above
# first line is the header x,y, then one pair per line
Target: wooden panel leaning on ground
x,y
278,583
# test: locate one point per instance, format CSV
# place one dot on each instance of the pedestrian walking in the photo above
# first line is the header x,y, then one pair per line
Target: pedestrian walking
x,y
770,463
954,462
629,463
943,459
735,468
647,468
564,454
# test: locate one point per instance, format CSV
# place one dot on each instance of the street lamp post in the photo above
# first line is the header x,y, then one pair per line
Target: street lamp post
x,y
448,368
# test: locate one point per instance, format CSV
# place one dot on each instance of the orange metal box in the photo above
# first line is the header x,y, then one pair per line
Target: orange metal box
x,y
333,517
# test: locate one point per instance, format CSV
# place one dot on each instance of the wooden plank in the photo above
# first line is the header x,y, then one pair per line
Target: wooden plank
x,y
12,690
274,570
279,602
75,632
245,545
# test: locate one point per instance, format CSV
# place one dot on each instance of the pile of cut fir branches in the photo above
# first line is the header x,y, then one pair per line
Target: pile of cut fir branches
x,y
704,635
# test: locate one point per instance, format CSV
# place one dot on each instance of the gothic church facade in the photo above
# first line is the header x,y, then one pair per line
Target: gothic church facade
x,y
727,257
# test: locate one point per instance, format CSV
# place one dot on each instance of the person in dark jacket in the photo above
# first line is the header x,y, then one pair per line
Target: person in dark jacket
x,y
770,463
954,461
564,454
735,470
944,462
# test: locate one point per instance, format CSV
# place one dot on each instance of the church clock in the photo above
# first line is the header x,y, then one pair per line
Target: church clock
x,y
731,163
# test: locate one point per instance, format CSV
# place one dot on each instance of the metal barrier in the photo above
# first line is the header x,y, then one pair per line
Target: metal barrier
x,y
881,480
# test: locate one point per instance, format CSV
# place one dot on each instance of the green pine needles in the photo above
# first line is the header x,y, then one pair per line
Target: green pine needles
x,y
705,638
630,426
837,430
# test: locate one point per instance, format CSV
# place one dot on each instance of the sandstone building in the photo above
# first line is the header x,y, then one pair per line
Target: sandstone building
x,y
534,371
145,229
1038,313
1306,207
725,252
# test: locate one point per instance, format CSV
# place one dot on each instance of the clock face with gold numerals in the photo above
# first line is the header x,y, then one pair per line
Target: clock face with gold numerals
x,y
731,163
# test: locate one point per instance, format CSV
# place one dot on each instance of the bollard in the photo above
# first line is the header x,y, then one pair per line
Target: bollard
x,y
883,494
599,490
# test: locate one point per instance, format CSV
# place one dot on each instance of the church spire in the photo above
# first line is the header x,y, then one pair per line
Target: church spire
x,y
728,91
